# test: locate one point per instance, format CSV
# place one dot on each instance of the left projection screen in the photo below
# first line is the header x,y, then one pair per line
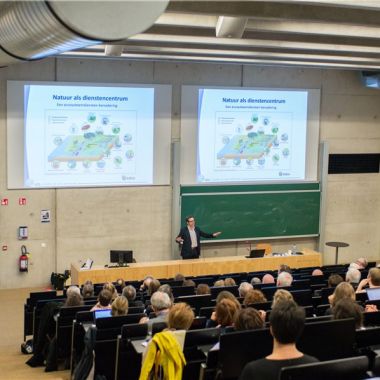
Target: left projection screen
x,y
87,135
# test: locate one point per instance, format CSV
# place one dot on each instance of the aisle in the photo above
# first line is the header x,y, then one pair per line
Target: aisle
x,y
12,362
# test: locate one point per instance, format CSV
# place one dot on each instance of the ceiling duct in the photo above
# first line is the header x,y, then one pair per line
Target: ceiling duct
x,y
36,29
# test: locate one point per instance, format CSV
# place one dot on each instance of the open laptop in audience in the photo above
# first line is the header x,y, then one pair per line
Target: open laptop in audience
x,y
256,253
105,313
373,294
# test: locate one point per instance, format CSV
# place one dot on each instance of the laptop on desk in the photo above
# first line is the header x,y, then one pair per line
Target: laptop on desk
x,y
373,294
256,253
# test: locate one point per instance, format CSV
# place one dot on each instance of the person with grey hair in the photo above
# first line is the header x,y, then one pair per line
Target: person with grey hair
x,y
161,304
88,290
73,296
284,279
255,281
360,263
168,290
129,292
353,276
244,288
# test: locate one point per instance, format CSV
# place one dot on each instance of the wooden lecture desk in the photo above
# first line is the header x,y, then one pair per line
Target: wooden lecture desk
x,y
197,267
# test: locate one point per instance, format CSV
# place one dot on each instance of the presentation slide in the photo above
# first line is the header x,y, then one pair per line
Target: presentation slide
x,y
88,136
251,135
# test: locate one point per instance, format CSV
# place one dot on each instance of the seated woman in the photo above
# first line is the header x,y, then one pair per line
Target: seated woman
x,y
104,300
73,297
342,291
249,319
119,306
164,351
347,308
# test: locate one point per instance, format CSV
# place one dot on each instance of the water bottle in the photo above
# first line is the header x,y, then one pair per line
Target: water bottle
x,y
294,249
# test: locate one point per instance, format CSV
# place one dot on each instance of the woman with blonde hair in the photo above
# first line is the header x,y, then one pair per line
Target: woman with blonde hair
x,y
254,296
119,306
111,288
281,295
343,290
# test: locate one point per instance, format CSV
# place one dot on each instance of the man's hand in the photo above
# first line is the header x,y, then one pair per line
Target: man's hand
x,y
215,234
179,240
362,284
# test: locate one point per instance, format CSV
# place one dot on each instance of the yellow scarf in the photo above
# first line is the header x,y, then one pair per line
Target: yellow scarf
x,y
164,352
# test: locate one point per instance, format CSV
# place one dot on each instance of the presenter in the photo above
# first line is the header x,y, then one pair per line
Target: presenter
x,y
189,238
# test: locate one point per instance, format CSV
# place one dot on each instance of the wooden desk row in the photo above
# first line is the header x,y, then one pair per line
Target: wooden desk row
x,y
197,267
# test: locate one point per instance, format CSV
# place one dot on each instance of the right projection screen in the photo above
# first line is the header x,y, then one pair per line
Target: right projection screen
x,y
241,135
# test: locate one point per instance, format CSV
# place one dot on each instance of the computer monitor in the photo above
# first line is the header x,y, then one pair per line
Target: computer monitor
x,y
121,257
256,253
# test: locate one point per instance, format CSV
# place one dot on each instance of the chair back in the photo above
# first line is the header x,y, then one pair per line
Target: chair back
x,y
347,369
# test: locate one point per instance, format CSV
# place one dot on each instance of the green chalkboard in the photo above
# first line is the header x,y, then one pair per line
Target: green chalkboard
x,y
254,211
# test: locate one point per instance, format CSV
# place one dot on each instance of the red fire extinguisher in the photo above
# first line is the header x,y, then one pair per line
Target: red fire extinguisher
x,y
23,260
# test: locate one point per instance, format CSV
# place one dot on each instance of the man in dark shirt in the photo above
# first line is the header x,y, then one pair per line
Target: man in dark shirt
x,y
287,320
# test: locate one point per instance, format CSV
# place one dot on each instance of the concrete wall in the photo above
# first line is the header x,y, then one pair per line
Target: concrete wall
x,y
88,222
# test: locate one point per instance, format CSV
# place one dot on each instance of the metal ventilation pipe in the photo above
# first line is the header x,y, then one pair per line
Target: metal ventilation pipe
x,y
32,30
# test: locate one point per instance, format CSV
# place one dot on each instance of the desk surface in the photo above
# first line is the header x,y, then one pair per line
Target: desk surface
x,y
196,267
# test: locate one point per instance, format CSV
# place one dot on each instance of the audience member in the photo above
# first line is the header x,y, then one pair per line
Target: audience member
x,y
244,287
104,300
334,280
161,304
129,292
284,279
284,268
88,290
165,350
229,281
317,272
111,288
153,286
226,294
120,282
168,290
189,283
353,276
73,297
255,281
342,291
202,289
179,277
254,296
347,308
360,263
119,306
372,281
268,279
249,319
219,283
144,286
281,295
225,312
180,317
286,325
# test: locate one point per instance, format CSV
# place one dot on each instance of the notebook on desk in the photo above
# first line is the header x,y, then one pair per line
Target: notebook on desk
x,y
256,253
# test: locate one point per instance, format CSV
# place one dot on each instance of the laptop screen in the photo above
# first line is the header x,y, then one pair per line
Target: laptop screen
x,y
257,253
102,313
373,294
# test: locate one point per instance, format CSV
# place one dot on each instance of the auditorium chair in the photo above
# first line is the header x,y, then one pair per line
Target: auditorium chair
x,y
196,302
128,361
29,305
328,340
345,369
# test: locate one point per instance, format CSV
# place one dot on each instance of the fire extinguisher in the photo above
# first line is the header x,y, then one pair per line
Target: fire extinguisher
x,y
23,260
